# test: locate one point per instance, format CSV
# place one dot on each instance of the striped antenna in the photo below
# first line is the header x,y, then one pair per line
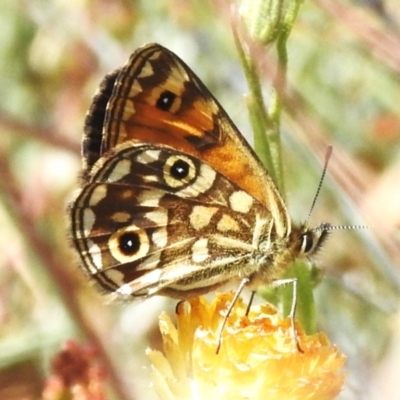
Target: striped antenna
x,y
326,226
327,158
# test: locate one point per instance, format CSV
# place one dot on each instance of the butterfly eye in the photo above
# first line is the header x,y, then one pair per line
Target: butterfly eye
x,y
128,244
307,243
166,100
179,171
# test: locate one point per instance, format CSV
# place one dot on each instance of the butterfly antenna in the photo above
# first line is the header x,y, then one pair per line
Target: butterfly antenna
x,y
327,158
328,227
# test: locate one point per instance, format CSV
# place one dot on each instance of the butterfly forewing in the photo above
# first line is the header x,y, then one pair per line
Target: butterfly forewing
x,y
94,123
156,98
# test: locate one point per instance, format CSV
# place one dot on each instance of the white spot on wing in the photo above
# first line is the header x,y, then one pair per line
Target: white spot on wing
x,y
146,71
149,198
121,169
128,111
150,178
240,201
88,220
94,251
151,262
148,156
159,217
98,194
115,276
201,216
150,278
200,250
160,237
125,290
227,223
135,89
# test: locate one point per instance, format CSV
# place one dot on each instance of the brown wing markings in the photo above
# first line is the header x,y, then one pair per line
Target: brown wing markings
x,y
94,122
199,126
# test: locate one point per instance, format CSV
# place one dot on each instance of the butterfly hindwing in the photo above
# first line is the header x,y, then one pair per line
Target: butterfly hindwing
x,y
174,223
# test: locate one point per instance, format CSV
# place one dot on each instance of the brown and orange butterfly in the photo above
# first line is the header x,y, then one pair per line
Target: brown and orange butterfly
x,y
174,201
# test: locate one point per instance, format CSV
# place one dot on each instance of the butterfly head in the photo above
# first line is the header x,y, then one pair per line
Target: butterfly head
x,y
308,241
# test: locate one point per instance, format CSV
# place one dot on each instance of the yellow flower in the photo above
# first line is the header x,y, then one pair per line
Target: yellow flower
x,y
258,358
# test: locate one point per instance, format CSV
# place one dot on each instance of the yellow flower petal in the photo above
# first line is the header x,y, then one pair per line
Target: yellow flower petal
x,y
258,358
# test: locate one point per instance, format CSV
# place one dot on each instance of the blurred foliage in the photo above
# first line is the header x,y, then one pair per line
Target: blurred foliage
x,y
343,89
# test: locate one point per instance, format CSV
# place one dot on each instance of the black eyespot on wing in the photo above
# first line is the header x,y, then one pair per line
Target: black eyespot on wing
x,y
180,169
129,243
166,100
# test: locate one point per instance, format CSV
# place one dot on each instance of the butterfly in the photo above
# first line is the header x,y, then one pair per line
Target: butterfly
x,y
173,200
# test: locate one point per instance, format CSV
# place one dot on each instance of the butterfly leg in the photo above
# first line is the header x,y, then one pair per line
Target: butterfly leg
x,y
253,293
239,290
292,314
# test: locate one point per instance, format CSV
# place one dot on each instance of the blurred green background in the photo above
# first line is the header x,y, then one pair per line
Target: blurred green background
x,y
343,90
